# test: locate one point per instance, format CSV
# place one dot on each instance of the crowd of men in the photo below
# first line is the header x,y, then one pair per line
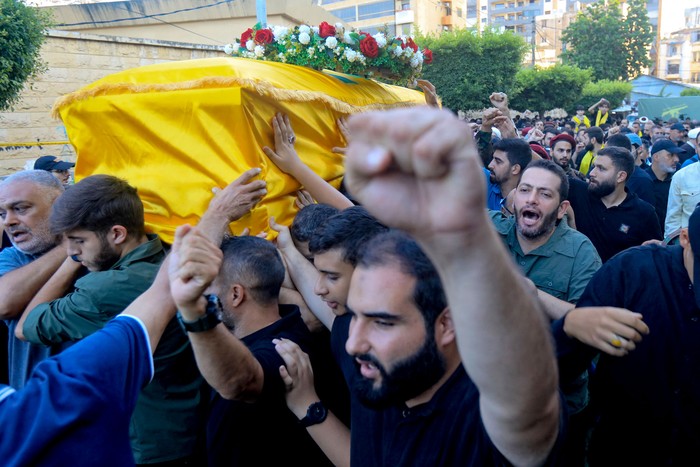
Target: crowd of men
x,y
492,295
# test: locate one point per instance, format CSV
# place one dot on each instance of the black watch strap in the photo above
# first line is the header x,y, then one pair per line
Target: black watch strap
x,y
315,414
209,320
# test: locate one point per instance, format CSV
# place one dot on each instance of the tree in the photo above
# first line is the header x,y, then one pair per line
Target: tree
x,y
614,91
690,92
21,35
541,89
468,67
612,45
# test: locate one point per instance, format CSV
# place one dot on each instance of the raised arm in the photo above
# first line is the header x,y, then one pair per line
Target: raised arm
x,y
286,158
303,274
426,178
225,362
230,204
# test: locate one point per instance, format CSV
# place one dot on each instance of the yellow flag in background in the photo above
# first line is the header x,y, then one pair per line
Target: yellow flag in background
x,y
176,130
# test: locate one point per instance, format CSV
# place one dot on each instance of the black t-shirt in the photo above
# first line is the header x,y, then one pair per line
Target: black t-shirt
x,y
446,431
661,189
613,229
264,432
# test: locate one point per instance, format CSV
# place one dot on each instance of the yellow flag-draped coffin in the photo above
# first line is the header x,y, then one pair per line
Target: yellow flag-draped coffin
x,y
176,130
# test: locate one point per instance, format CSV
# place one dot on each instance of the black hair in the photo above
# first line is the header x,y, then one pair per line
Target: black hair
x,y
254,263
517,150
97,203
398,248
597,133
348,230
619,141
309,219
622,159
556,170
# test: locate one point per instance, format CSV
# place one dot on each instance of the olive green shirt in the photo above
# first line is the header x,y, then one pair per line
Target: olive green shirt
x,y
166,422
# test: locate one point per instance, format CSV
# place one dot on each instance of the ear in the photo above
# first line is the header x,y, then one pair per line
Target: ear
x,y
563,206
117,234
445,329
621,176
238,295
515,169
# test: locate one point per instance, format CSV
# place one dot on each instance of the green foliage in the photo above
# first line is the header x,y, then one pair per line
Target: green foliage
x,y
542,89
613,46
468,67
613,91
21,35
690,92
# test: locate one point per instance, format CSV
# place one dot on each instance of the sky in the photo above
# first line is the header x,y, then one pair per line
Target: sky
x,y
672,18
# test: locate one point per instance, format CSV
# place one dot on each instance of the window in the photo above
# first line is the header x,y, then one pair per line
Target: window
x,y
406,29
696,56
672,50
380,28
673,69
695,78
328,2
405,5
448,9
375,10
346,14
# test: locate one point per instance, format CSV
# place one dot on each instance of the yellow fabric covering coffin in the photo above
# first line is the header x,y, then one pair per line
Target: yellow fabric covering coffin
x,y
176,130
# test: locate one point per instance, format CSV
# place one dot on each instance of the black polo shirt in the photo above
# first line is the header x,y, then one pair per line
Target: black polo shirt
x,y
661,189
613,229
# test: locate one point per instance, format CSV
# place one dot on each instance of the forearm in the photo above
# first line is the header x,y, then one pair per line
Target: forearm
x,y
155,307
319,189
56,287
214,225
227,364
18,287
333,438
500,331
304,275
554,308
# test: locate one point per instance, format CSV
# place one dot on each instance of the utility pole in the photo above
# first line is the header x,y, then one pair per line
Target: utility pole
x,y
261,12
533,38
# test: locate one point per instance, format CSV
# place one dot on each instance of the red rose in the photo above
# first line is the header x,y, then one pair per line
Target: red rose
x,y
411,44
246,36
427,56
369,47
264,36
326,30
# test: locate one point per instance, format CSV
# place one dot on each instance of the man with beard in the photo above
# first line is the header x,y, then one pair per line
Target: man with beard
x,y
25,203
560,261
101,219
639,182
239,361
606,212
593,143
421,399
510,157
664,162
562,150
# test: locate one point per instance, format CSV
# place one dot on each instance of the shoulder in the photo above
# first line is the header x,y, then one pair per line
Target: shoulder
x,y
12,258
502,223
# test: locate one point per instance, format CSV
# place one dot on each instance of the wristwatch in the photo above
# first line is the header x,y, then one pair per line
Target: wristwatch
x,y
315,414
209,320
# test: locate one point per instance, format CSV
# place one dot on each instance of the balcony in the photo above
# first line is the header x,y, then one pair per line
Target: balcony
x,y
446,20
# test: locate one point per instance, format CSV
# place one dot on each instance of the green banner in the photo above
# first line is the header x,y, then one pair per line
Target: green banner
x,y
665,108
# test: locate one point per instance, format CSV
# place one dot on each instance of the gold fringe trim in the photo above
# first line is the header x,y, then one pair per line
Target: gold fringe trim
x,y
262,88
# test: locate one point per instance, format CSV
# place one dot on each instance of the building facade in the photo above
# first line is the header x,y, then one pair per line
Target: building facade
x,y
679,54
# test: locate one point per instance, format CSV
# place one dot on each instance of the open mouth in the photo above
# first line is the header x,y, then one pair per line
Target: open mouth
x,y
367,369
20,236
529,216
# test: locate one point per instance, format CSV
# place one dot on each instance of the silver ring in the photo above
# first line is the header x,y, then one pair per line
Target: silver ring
x,y
291,139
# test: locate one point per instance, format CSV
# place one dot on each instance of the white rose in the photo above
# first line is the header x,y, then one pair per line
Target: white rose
x,y
250,45
381,39
280,32
315,29
228,49
397,50
331,42
408,52
350,55
304,38
259,50
348,39
339,28
304,29
416,61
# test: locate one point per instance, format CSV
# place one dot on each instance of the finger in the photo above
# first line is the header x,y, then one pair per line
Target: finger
x,y
287,124
338,150
246,232
246,176
299,204
269,152
286,378
180,234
